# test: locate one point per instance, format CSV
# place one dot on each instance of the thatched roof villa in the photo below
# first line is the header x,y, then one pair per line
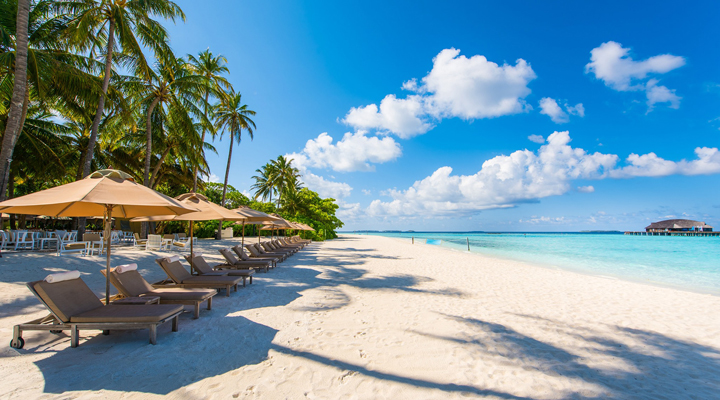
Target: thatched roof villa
x,y
678,225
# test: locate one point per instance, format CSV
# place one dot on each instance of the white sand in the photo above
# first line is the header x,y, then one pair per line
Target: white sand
x,y
370,317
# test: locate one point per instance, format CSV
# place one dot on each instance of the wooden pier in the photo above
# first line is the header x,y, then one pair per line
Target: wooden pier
x,y
676,233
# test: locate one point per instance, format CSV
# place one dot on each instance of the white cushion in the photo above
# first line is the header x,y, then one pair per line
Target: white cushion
x,y
173,258
62,276
125,268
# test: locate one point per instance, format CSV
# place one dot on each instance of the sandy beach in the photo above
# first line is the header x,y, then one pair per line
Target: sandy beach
x,y
365,317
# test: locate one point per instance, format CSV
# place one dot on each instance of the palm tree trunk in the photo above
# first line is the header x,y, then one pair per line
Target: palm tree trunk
x,y
15,119
160,162
202,142
227,173
148,145
148,155
101,102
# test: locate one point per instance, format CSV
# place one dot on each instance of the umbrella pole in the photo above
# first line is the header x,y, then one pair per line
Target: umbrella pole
x,y
192,255
243,237
108,218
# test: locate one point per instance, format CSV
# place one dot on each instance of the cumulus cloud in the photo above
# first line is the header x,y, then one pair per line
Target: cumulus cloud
x,y
536,139
213,178
525,176
611,63
707,162
457,86
324,187
354,152
348,211
552,109
404,117
474,87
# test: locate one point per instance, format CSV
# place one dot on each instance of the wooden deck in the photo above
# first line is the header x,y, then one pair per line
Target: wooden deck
x,y
688,233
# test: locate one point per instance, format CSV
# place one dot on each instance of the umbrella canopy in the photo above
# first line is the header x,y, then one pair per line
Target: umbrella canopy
x,y
100,193
207,211
90,197
254,216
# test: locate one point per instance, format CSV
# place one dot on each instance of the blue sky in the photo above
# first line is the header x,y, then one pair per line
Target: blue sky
x,y
376,102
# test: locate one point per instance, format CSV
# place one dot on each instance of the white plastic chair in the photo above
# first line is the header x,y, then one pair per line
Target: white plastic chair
x,y
24,240
4,239
154,242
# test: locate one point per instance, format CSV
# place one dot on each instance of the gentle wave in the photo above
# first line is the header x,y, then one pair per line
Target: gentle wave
x,y
689,263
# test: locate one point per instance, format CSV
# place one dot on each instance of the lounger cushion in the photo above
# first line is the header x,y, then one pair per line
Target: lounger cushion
x,y
67,298
175,270
179,294
132,282
74,246
128,313
212,280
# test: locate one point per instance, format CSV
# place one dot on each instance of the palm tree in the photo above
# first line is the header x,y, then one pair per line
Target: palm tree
x,y
97,22
287,177
234,116
265,182
211,67
18,106
173,89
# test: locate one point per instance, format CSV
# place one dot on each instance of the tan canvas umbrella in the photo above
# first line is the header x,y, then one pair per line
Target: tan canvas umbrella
x,y
106,192
253,217
207,211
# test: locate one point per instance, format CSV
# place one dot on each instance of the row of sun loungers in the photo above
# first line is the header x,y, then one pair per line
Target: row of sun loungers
x,y
141,305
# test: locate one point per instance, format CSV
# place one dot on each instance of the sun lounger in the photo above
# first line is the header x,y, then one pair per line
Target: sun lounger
x,y
132,284
258,251
74,307
244,257
181,278
204,269
285,246
235,263
272,248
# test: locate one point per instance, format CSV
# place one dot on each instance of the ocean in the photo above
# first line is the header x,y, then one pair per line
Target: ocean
x,y
688,263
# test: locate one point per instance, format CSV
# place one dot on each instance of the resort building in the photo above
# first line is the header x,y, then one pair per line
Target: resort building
x,y
678,225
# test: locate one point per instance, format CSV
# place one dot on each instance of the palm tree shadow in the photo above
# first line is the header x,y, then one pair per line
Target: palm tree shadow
x,y
656,366
219,342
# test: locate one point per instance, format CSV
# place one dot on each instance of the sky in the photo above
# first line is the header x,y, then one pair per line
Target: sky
x,y
477,116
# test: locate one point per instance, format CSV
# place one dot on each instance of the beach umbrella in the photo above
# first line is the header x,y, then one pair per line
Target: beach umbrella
x,y
206,211
253,217
105,192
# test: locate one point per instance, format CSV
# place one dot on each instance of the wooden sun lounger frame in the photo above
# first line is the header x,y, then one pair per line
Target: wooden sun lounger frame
x,y
195,303
169,282
54,324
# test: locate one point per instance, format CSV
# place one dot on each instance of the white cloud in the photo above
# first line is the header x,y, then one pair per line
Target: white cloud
x,y
457,86
404,117
545,220
611,63
474,87
536,139
707,162
551,108
354,152
326,188
525,176
213,178
503,181
348,211
366,192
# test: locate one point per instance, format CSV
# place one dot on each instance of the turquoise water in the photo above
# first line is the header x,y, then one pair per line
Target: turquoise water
x,y
690,263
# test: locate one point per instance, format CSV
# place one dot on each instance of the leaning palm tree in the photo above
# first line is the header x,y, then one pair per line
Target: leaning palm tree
x,y
175,92
287,177
95,25
17,110
212,68
265,182
232,116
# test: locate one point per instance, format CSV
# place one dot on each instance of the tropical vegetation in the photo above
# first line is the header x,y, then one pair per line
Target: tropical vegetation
x,y
93,84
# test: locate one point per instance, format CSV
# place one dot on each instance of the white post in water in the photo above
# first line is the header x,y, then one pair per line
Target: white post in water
x,y
468,243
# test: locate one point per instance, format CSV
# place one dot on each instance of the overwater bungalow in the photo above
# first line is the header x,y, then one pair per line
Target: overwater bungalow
x,y
679,225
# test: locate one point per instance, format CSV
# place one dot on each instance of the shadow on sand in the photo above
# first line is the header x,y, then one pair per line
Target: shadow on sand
x,y
217,343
